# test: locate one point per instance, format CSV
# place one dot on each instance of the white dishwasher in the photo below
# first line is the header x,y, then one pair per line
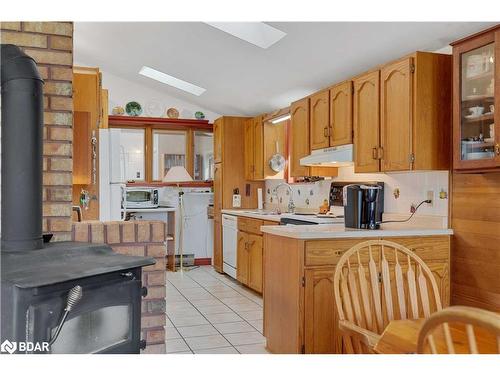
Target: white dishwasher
x,y
229,244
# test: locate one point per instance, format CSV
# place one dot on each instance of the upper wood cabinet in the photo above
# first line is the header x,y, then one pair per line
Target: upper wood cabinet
x,y
299,137
254,149
366,119
341,114
396,115
414,108
476,102
320,120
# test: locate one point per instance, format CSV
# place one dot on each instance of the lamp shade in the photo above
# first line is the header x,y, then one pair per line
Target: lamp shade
x,y
177,174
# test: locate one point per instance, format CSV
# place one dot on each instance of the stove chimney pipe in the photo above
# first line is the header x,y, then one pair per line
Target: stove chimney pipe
x,y
22,137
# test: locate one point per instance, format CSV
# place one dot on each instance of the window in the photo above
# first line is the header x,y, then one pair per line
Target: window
x,y
127,154
203,156
169,150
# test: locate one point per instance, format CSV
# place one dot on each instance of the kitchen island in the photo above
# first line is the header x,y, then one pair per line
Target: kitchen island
x,y
299,261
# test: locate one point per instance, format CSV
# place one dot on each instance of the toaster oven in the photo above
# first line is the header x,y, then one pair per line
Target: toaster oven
x,y
140,197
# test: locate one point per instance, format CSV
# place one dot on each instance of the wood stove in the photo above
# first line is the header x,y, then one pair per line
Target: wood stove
x,y
61,297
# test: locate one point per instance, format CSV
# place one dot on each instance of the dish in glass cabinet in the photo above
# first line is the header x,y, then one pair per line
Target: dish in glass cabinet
x,y
133,109
172,113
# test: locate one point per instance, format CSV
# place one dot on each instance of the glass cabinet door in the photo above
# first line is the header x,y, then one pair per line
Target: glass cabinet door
x,y
477,104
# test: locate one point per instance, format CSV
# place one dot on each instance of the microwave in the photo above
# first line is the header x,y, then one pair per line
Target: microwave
x,y
140,197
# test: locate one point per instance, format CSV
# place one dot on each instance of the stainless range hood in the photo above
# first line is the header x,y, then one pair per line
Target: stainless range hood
x,y
330,157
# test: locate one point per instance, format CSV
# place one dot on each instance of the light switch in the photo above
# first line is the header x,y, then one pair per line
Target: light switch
x,y
236,200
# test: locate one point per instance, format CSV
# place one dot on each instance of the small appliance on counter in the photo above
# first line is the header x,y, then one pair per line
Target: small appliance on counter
x,y
363,205
140,197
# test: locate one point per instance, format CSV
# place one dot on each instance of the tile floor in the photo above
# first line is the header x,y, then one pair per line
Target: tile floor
x,y
212,313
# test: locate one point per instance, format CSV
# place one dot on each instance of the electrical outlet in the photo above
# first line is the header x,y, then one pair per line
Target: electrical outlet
x,y
430,196
236,200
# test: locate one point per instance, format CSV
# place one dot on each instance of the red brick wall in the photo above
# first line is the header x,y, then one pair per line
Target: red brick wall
x,y
142,238
51,45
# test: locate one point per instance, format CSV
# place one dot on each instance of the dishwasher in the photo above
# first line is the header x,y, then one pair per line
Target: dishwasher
x,y
229,244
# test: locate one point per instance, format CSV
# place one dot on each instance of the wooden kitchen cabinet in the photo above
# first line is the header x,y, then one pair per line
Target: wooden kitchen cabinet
x,y
255,262
341,114
299,137
229,173
366,122
476,124
298,288
242,258
254,149
321,334
414,109
396,115
320,120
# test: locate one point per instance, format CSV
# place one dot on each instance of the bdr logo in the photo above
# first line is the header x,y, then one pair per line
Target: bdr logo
x,y
10,347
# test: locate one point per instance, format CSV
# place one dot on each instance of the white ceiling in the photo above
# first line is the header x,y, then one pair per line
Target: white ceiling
x,y
242,79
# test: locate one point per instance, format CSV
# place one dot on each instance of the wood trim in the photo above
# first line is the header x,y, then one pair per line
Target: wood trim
x,y
119,121
203,261
479,33
190,152
278,113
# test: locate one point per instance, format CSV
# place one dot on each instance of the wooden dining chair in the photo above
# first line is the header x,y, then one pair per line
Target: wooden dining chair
x,y
378,281
479,325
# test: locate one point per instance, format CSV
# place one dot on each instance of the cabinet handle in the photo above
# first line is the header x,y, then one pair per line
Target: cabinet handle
x,y
497,149
381,153
325,131
374,153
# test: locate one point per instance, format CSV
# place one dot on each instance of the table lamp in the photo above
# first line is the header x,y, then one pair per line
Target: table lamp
x,y
177,175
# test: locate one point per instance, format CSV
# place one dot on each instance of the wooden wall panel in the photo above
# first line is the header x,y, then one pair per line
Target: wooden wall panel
x,y
475,255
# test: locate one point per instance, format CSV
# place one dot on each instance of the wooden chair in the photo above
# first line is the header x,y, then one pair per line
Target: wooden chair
x,y
378,281
450,320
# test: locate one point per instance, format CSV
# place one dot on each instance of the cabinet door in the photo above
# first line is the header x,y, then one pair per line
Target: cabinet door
x,y
341,114
321,331
217,189
476,125
255,262
242,258
396,115
249,149
258,160
218,140
217,257
366,118
299,137
320,120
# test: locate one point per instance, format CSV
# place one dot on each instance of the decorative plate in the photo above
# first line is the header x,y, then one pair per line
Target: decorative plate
x,y
199,115
133,109
118,111
172,113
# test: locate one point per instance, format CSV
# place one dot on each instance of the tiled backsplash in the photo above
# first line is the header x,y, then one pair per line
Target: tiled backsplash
x,y
413,188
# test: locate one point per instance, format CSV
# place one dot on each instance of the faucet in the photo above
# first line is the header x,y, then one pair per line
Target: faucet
x,y
291,205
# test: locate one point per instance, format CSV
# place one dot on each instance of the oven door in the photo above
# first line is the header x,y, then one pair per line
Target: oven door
x,y
106,320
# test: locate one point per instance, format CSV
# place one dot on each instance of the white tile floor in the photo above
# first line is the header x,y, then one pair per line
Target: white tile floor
x,y
212,313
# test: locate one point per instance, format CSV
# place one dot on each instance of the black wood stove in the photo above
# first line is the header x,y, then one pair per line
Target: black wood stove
x,y
61,297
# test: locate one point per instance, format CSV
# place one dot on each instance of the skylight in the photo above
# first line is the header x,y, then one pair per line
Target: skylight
x,y
257,33
171,81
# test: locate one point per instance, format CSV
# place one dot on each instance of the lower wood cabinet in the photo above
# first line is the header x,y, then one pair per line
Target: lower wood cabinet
x,y
217,257
298,290
242,258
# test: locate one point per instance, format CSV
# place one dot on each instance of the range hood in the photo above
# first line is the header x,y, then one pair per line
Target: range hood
x,y
330,157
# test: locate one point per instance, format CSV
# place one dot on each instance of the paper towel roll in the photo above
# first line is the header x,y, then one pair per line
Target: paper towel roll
x,y
260,205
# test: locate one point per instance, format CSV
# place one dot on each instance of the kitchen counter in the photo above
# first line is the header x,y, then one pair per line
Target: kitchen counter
x,y
151,210
307,232
265,215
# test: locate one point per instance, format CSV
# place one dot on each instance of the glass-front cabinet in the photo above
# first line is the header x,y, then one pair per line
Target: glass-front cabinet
x,y
476,84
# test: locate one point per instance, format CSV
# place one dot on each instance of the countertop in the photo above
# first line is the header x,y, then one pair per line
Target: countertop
x,y
152,210
254,214
326,231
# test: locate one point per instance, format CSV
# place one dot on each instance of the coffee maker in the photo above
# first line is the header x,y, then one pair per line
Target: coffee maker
x,y
363,205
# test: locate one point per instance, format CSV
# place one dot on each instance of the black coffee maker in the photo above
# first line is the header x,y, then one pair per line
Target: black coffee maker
x,y
363,205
